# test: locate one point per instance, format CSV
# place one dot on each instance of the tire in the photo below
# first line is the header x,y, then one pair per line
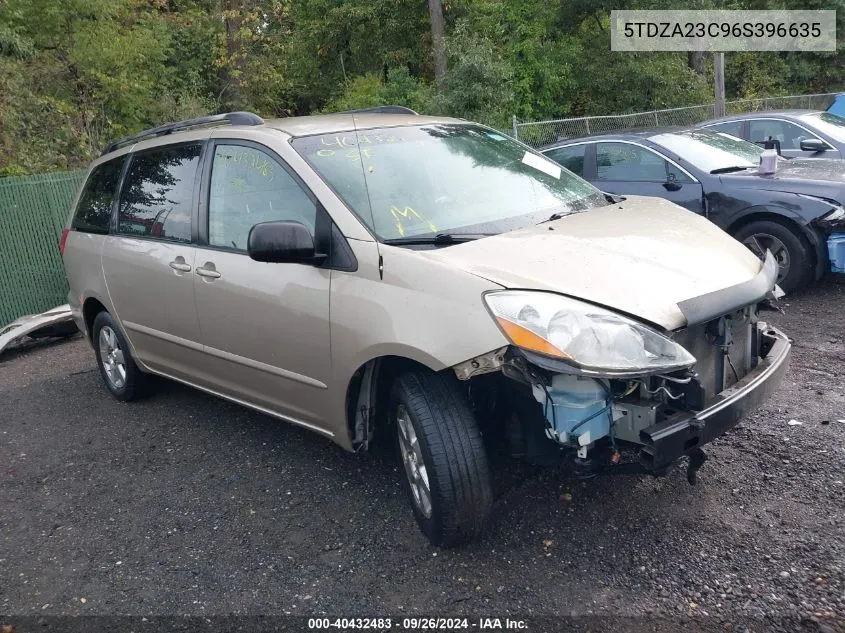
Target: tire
x,y
800,259
449,446
120,374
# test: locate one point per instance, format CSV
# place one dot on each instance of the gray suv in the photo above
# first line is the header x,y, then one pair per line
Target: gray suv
x,y
428,278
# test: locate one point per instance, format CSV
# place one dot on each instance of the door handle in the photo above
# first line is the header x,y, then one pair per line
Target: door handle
x,y
180,265
208,272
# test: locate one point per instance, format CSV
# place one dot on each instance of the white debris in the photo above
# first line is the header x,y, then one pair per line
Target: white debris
x,y
794,423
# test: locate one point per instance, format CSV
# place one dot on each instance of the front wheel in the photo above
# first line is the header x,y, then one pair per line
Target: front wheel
x,y
446,475
793,253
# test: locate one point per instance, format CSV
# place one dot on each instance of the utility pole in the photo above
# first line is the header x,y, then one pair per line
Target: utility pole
x,y
719,67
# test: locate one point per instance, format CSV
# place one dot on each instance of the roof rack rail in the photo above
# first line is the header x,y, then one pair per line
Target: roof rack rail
x,y
230,118
382,109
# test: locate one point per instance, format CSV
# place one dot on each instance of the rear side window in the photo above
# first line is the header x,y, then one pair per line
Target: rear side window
x,y
158,192
93,214
571,157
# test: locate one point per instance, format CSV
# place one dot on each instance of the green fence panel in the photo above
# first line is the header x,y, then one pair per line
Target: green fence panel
x,y
33,212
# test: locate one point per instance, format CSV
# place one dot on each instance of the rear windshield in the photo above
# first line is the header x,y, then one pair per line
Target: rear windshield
x,y
830,124
709,150
416,180
93,214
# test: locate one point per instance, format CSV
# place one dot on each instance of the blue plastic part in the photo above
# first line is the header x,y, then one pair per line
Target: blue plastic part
x,y
577,409
836,252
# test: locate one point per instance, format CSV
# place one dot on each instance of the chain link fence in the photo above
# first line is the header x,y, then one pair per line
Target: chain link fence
x,y
33,211
539,133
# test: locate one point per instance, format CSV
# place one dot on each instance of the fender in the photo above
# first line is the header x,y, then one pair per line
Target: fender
x,y
767,212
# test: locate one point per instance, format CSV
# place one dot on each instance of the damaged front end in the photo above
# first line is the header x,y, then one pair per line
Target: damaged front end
x,y
610,395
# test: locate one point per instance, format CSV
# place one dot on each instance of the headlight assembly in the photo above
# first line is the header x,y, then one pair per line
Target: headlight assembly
x,y
590,338
834,217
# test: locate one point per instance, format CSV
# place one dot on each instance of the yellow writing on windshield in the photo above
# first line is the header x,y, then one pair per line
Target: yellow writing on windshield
x,y
406,213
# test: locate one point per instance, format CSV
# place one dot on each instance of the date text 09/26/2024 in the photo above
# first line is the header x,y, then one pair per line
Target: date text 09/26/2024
x,y
417,624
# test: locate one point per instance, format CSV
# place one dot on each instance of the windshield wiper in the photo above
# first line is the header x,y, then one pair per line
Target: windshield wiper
x,y
557,215
438,239
728,170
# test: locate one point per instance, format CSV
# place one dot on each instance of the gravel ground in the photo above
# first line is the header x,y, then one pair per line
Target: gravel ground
x,y
186,504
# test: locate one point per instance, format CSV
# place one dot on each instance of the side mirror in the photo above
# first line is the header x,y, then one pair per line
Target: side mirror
x,y
672,185
282,242
814,145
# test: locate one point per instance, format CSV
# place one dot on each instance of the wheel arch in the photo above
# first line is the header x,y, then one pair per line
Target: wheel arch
x,y
754,214
91,307
367,391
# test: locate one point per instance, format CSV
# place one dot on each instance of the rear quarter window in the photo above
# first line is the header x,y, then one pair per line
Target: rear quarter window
x,y
93,213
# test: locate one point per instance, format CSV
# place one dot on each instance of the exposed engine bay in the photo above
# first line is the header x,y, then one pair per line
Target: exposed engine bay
x,y
602,424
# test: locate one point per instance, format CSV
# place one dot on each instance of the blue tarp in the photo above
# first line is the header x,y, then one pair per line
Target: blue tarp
x,y
838,105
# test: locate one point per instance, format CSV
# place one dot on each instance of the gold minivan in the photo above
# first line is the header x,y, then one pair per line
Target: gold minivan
x,y
384,272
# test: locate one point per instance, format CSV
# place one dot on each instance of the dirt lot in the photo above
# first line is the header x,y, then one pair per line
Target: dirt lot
x,y
185,504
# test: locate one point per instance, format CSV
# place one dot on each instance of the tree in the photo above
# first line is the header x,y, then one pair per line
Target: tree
x,y
77,73
438,46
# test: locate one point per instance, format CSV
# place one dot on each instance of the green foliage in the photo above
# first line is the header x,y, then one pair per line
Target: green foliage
x,y
478,83
12,44
399,89
610,83
362,92
77,73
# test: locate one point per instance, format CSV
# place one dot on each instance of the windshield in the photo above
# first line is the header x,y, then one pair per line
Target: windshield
x,y
443,178
709,150
827,123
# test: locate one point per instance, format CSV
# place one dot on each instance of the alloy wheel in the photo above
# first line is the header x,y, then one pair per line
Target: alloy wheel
x,y
758,243
412,458
112,358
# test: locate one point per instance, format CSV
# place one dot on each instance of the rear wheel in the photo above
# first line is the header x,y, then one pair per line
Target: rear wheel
x,y
793,253
447,479
119,372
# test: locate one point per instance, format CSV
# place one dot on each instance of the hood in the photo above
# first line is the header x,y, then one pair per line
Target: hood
x,y
820,177
642,257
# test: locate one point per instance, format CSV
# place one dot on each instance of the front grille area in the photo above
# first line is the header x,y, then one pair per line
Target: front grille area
x,y
712,366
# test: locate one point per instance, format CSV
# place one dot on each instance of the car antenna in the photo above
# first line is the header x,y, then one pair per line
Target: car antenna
x,y
367,190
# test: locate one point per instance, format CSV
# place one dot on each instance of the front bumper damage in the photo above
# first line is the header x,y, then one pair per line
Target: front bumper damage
x,y
633,425
551,411
685,432
55,322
